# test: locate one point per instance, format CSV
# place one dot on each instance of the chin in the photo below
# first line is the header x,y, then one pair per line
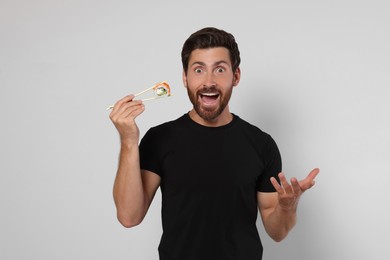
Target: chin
x,y
209,115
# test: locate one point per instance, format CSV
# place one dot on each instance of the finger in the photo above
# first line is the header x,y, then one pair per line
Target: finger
x,y
313,174
277,186
127,109
122,109
124,114
122,101
135,111
118,106
286,186
295,186
309,182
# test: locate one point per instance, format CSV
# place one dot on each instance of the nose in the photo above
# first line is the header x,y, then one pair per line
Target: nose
x,y
209,80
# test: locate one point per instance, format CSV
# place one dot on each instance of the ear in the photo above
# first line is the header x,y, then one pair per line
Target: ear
x,y
236,77
184,76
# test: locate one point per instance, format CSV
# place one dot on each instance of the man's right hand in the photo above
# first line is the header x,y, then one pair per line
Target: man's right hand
x,y
123,116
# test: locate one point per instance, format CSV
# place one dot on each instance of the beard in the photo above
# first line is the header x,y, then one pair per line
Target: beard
x,y
209,113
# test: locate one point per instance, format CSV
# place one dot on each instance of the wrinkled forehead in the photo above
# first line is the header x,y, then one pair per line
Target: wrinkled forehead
x,y
210,56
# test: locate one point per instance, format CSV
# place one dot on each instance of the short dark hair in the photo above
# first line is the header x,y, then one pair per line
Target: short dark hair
x,y
210,37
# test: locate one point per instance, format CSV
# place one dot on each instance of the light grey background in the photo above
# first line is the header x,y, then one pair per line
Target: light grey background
x,y
315,75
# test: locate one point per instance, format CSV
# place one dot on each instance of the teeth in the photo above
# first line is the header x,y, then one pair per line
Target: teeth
x,y
209,94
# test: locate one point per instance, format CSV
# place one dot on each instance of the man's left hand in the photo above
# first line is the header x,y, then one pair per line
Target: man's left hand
x,y
289,194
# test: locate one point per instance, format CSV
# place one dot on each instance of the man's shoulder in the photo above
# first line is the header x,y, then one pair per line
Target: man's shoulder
x,y
261,140
170,125
167,130
252,128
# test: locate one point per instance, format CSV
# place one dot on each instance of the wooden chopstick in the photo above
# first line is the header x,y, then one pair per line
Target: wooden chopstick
x,y
143,91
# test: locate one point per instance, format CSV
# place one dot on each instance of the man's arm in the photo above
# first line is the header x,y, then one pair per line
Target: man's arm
x,y
279,209
133,189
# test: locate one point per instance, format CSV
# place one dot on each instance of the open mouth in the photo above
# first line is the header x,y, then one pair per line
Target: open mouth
x,y
209,98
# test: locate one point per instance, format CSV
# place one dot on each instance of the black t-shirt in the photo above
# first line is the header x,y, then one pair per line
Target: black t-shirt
x,y
210,179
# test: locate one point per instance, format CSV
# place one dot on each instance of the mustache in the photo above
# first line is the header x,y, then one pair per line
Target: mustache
x,y
207,90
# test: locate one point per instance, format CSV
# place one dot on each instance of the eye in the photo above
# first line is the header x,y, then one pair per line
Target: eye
x,y
198,70
220,70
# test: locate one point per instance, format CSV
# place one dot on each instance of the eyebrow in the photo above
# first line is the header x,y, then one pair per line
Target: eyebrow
x,y
204,64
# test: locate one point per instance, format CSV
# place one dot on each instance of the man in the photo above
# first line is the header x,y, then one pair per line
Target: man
x,y
215,170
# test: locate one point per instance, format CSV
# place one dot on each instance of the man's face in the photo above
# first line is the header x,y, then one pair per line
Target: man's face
x,y
210,81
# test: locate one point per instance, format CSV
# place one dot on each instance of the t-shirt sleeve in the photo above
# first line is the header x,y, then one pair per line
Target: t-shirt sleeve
x,y
272,166
150,153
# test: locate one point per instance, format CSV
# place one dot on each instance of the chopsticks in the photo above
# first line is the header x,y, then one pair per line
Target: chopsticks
x,y
162,84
